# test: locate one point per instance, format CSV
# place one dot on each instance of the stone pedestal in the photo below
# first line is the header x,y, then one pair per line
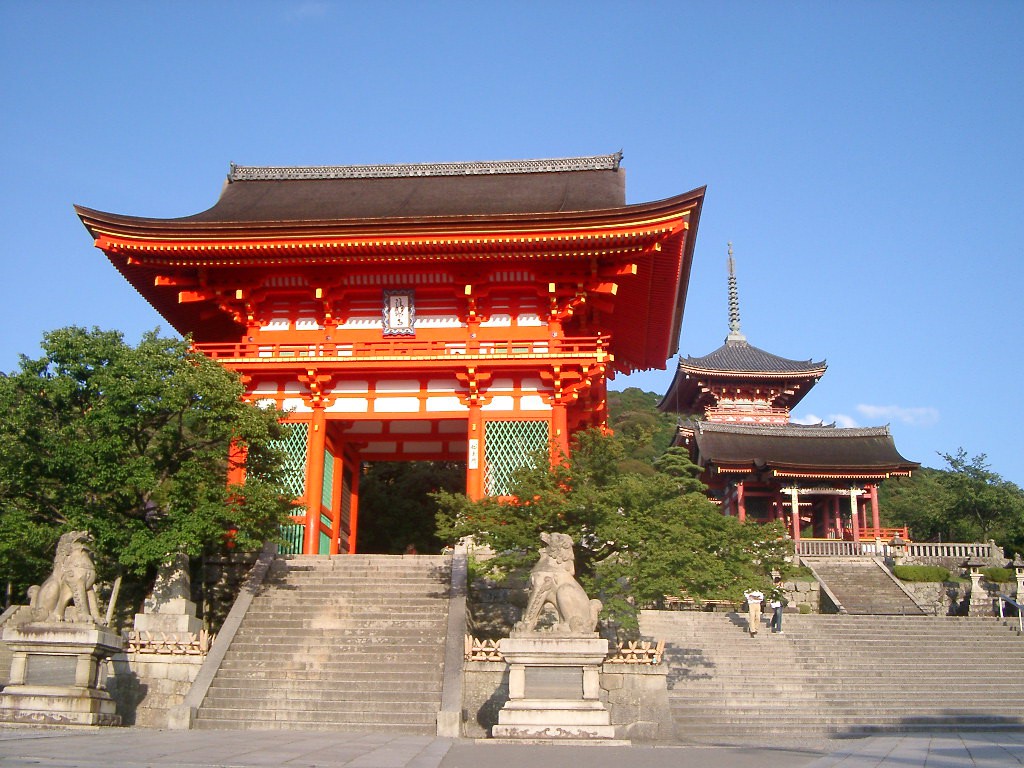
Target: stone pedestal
x,y
168,609
56,674
979,604
554,689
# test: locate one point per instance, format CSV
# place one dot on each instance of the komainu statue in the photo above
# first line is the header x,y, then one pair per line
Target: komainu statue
x,y
73,579
553,582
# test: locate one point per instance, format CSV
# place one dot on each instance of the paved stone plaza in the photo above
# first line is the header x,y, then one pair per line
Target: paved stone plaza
x,y
21,747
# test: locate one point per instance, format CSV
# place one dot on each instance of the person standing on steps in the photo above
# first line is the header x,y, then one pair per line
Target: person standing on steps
x,y
754,599
777,603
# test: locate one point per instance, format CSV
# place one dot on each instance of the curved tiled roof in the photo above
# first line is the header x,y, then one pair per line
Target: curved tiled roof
x,y
796,447
569,210
374,192
737,356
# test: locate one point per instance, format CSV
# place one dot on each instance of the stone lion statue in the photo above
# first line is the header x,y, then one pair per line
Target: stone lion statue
x,y
553,582
73,580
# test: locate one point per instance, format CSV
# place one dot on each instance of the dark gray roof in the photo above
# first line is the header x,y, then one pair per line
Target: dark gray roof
x,y
487,167
795,446
737,356
418,190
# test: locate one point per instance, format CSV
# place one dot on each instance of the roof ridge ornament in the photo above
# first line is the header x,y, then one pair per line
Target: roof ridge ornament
x,y
405,170
734,303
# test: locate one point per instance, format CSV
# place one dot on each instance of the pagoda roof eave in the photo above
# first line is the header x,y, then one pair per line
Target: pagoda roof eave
x,y
815,372
796,450
684,390
818,472
184,229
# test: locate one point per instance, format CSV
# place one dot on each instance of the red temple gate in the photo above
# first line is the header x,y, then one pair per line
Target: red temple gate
x,y
467,312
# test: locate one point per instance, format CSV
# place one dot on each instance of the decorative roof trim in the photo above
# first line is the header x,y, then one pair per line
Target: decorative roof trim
x,y
868,474
793,430
554,165
813,370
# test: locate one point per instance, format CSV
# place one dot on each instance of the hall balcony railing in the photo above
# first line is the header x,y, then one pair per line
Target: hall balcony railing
x,y
399,349
924,552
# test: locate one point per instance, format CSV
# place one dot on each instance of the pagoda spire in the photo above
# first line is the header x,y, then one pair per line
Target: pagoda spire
x,y
734,304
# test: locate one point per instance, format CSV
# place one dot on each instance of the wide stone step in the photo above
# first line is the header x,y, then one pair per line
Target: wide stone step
x,y
240,722
368,699
838,674
800,720
329,628
346,643
340,718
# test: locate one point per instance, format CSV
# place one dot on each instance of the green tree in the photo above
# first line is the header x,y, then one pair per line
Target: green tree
x,y
920,502
640,427
638,535
981,501
965,502
396,508
131,444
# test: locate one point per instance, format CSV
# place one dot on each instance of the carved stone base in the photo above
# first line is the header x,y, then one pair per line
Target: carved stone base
x,y
554,689
56,675
55,705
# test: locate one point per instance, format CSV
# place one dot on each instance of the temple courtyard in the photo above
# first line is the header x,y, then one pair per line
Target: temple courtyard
x,y
142,748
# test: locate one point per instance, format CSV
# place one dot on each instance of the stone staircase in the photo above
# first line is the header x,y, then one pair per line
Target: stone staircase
x,y
352,642
862,586
838,674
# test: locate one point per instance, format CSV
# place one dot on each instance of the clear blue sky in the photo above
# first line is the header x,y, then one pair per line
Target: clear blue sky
x,y
865,158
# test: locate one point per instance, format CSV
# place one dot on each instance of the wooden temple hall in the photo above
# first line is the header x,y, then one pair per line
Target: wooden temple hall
x,y
820,480
468,312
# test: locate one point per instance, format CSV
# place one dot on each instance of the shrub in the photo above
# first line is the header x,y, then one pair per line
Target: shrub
x,y
998,575
921,573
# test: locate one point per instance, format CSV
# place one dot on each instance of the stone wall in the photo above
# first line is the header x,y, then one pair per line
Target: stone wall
x,y
951,598
802,593
484,692
146,686
636,696
637,699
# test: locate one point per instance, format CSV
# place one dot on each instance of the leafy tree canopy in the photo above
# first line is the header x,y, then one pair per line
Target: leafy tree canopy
x,y
644,432
131,444
638,536
965,502
396,506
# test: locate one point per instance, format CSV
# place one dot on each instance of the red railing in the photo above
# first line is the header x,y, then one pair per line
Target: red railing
x,y
885,534
405,348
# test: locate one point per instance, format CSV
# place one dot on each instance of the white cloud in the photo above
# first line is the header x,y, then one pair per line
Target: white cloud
x,y
915,417
840,420
310,9
810,418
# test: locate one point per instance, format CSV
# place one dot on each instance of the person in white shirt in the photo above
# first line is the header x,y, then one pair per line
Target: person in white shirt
x,y
754,600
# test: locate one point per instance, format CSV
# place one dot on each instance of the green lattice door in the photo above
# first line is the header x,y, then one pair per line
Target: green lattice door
x,y
509,445
294,445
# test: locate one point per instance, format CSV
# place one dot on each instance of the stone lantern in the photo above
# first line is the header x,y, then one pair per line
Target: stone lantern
x,y
1018,568
898,547
979,604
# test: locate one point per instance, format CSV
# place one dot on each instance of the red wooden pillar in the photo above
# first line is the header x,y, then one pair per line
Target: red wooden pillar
x,y
837,517
795,497
873,496
741,506
316,443
559,433
237,453
475,454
